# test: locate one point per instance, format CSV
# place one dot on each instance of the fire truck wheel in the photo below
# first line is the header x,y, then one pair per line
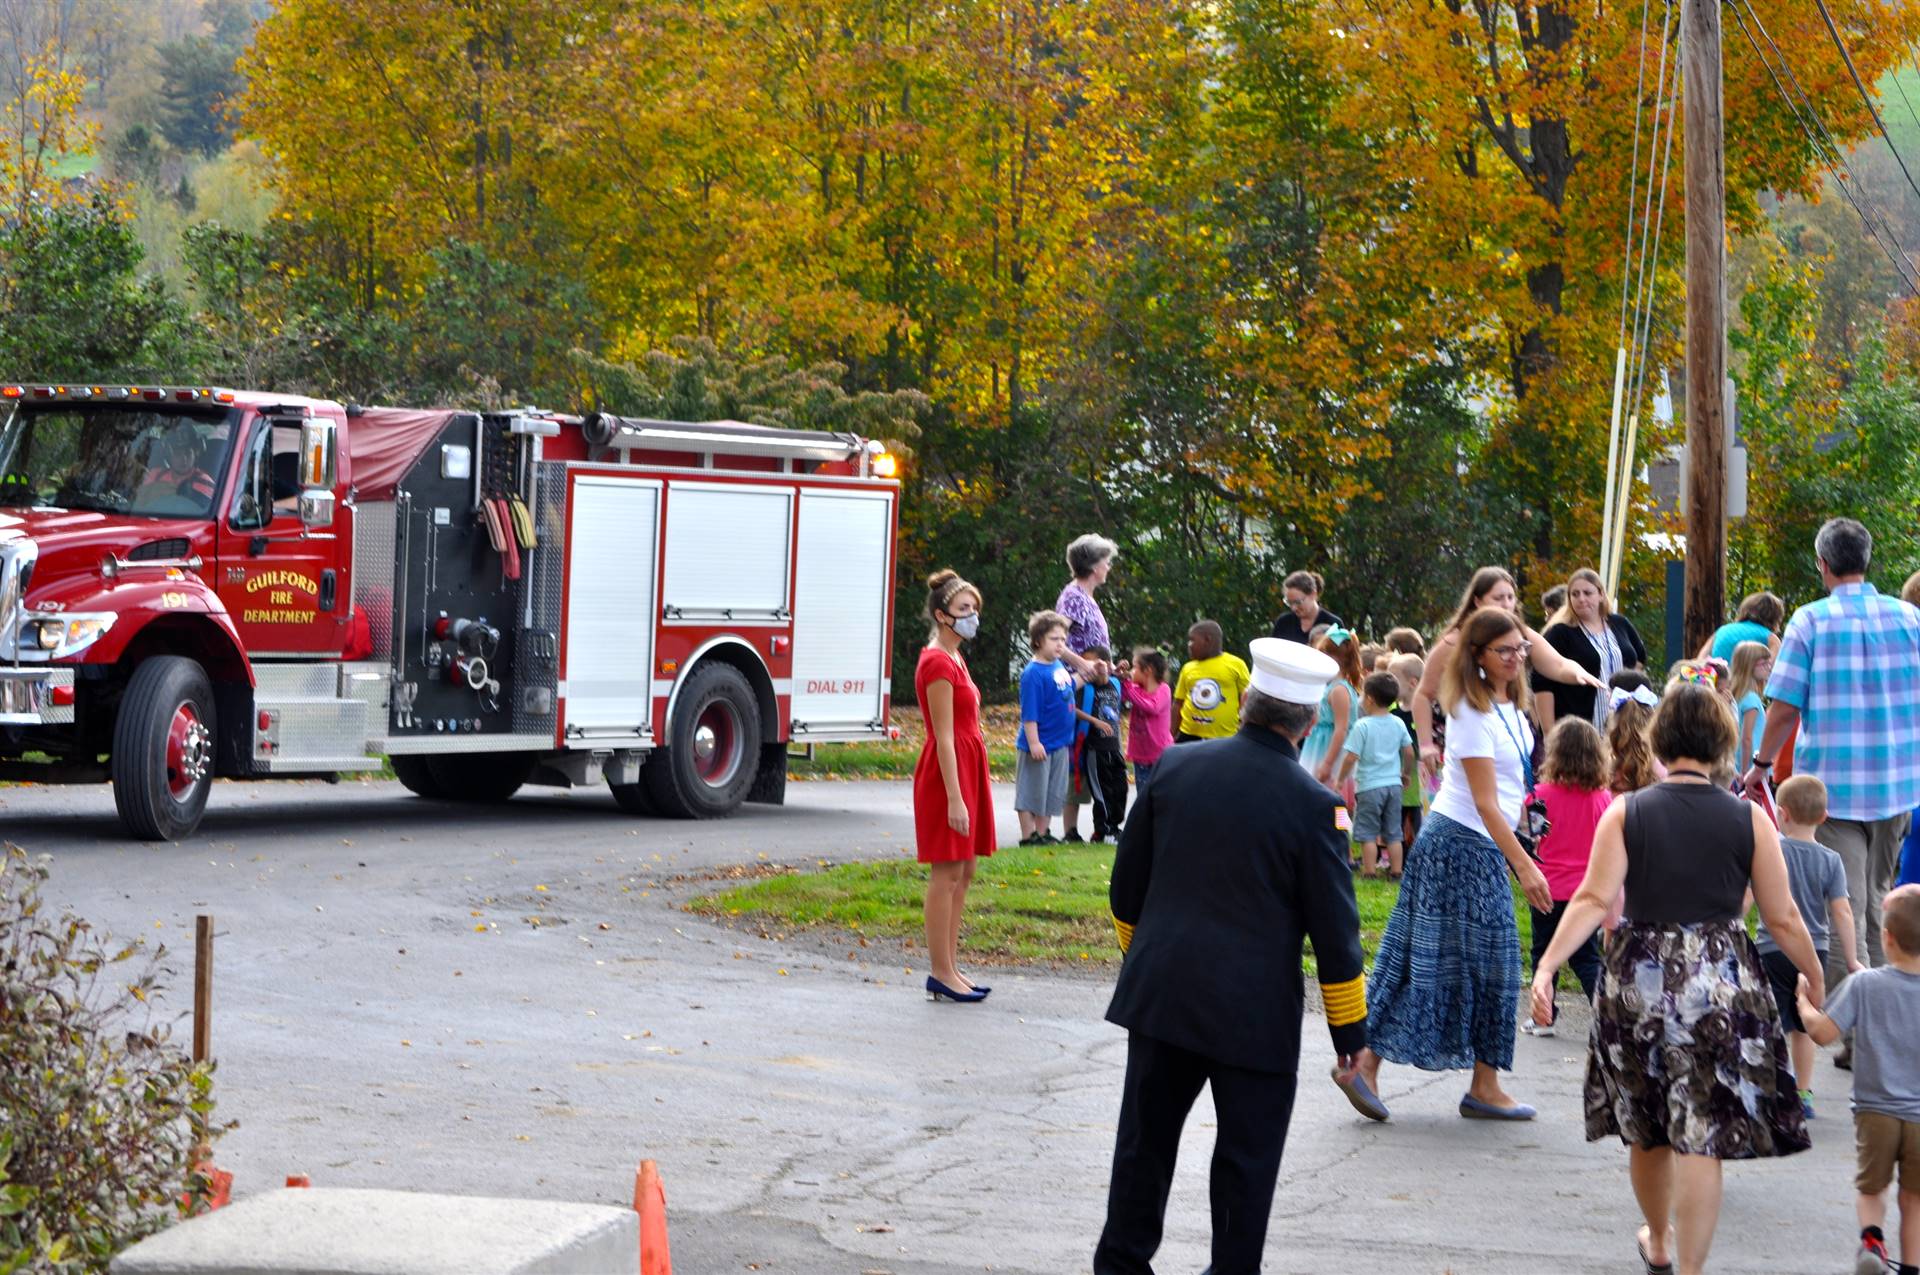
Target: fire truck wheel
x,y
416,776
163,749
713,746
480,777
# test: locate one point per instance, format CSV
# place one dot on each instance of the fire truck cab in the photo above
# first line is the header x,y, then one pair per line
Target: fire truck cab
x,y
200,583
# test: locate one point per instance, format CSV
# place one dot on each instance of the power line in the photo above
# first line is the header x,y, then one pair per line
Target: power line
x,y
1826,149
1650,235
1633,171
1866,99
1912,114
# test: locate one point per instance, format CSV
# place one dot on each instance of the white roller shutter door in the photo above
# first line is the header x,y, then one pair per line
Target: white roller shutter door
x,y
727,552
840,611
611,545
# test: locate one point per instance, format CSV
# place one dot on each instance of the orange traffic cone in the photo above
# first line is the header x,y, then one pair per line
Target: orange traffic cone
x,y
219,1185
650,1202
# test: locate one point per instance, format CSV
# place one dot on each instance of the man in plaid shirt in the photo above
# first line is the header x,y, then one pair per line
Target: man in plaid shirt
x,y
1849,672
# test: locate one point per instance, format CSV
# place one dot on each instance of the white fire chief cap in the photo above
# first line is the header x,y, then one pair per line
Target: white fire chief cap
x,y
1291,671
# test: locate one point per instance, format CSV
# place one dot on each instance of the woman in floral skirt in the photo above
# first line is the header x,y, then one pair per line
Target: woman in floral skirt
x,y
1686,1062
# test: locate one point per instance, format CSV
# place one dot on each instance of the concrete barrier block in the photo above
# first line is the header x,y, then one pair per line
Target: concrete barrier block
x,y
357,1232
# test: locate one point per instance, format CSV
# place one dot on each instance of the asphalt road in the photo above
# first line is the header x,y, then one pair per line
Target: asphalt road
x,y
510,1001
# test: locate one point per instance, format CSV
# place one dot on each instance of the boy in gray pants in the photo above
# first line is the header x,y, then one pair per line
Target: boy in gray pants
x,y
1881,1007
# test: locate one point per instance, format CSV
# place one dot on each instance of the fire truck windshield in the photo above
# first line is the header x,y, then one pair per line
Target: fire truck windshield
x,y
157,462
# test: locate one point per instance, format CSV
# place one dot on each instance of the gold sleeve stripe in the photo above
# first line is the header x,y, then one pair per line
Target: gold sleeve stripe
x,y
1123,932
1345,1002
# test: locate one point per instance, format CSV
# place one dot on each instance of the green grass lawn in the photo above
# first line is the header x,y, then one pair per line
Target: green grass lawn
x,y
896,758
78,165
882,759
1028,905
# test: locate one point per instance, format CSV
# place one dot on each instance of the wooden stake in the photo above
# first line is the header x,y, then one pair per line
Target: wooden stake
x,y
1613,463
202,987
1706,495
1617,551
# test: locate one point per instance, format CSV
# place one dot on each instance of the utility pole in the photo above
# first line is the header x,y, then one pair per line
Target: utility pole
x,y
1706,183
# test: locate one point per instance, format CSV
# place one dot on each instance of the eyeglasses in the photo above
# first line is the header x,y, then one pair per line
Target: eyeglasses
x,y
1512,651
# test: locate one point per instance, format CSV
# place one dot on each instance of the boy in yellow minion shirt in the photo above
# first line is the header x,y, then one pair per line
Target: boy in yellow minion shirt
x,y
1207,695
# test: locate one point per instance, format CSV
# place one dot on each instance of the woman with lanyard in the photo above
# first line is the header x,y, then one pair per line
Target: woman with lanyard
x,y
1586,631
1444,989
1491,587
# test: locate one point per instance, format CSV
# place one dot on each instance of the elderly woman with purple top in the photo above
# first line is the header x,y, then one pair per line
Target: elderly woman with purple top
x,y
1090,558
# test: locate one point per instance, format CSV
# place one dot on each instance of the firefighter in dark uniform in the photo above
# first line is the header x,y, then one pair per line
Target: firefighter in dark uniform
x,y
1233,857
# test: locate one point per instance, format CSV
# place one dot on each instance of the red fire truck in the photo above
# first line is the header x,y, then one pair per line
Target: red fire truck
x,y
200,583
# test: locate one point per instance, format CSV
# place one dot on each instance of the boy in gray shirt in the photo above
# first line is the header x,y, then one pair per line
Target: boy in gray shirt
x,y
1818,881
1881,1007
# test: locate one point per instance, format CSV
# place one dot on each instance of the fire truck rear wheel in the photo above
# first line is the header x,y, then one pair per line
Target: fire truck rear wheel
x,y
163,749
713,746
480,777
416,776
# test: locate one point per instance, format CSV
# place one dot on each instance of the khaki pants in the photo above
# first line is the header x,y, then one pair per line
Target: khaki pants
x,y
1871,853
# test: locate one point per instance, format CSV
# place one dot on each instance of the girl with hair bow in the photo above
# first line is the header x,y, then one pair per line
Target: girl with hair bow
x,y
1339,704
1641,695
1630,708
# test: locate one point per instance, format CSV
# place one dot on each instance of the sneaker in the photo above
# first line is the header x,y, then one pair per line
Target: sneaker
x,y
1806,1104
1073,838
1872,1258
1532,1028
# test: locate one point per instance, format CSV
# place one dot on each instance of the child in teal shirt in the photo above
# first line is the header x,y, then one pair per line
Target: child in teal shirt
x,y
1378,755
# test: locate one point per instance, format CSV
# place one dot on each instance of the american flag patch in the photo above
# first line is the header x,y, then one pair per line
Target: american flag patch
x,y
1342,820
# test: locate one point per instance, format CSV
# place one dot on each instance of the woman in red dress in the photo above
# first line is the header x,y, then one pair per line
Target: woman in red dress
x,y
952,790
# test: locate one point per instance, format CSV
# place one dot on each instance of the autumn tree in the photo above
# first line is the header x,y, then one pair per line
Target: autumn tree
x,y
41,88
1513,123
1824,436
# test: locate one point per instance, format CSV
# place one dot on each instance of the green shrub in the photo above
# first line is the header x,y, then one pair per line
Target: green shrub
x,y
100,1114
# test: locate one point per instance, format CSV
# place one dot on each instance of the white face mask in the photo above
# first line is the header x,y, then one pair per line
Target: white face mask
x,y
966,625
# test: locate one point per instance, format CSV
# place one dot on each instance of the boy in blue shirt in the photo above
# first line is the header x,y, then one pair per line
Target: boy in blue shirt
x,y
1045,765
1378,756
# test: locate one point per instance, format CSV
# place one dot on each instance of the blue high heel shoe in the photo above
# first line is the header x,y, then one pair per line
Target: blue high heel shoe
x,y
939,991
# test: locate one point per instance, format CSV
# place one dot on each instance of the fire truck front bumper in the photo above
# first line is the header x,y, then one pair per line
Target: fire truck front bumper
x,y
35,696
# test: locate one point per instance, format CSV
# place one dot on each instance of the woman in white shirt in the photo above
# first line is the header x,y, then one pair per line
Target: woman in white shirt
x,y
1446,981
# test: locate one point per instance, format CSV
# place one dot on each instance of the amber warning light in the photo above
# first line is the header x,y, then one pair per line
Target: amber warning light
x,y
117,393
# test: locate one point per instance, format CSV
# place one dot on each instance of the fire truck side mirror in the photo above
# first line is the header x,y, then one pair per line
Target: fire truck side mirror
x,y
318,469
318,466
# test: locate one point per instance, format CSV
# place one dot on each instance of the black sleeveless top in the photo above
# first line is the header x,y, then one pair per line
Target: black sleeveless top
x,y
1689,854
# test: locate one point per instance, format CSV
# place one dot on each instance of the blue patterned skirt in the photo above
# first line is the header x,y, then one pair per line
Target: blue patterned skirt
x,y
1446,980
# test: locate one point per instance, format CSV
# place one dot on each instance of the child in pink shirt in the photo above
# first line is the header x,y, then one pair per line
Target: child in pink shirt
x,y
1149,703
1573,785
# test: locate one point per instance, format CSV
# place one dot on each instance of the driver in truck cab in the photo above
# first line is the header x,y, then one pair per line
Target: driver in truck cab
x,y
181,472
